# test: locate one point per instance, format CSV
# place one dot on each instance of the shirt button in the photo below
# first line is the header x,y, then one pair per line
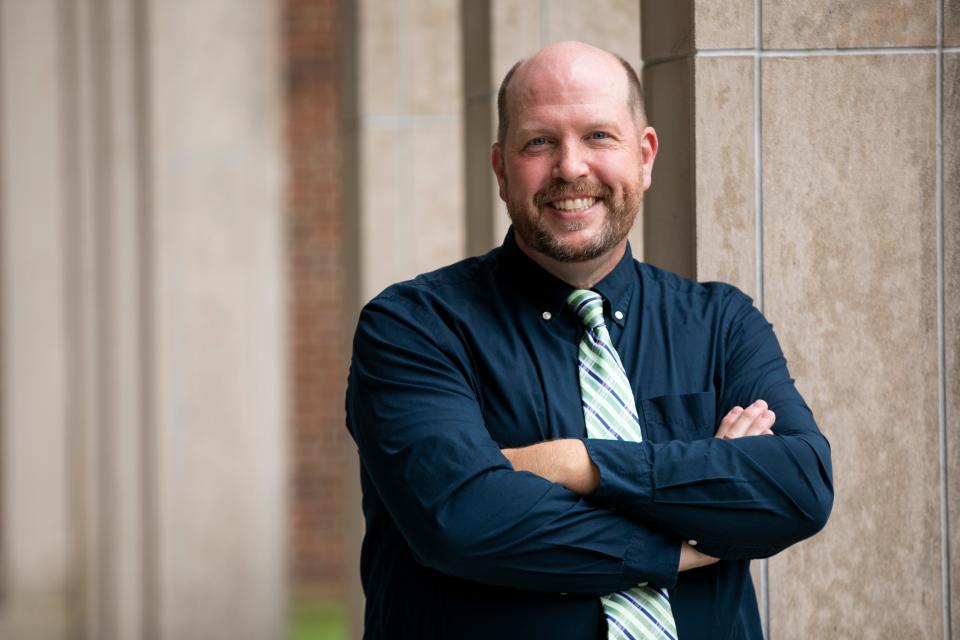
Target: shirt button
x,y
692,543
547,315
618,315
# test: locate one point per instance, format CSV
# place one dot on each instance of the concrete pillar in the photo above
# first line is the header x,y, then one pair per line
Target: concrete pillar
x,y
217,272
403,174
809,175
405,131
700,215
35,522
143,422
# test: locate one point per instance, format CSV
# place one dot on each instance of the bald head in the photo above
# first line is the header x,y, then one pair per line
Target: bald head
x,y
565,62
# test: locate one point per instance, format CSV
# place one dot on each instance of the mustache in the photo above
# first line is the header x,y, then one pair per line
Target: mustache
x,y
560,188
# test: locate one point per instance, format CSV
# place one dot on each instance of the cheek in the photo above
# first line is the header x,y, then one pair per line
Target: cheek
x,y
527,177
622,177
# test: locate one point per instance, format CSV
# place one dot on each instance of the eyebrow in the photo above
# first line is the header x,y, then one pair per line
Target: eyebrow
x,y
541,129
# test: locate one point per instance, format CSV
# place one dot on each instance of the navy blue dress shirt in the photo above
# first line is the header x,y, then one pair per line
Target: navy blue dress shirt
x,y
454,365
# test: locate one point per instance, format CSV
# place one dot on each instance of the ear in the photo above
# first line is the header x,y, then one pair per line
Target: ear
x,y
648,152
497,162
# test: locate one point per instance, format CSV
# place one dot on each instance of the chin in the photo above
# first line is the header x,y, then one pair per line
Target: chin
x,y
577,241
576,247
575,230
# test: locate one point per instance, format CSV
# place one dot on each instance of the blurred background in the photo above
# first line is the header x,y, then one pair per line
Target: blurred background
x,y
197,197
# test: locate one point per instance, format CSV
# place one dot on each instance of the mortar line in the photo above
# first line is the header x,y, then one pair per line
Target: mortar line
x,y
408,119
941,341
798,53
757,55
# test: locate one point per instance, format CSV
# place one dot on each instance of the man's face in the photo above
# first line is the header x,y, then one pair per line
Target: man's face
x,y
575,160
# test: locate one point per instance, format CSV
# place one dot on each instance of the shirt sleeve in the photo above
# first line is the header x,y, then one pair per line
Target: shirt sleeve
x,y
455,498
746,498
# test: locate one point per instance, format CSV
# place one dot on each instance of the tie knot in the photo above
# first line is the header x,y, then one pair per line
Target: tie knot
x,y
588,305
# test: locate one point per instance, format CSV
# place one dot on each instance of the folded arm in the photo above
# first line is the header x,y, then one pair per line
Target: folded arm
x,y
567,461
738,497
413,412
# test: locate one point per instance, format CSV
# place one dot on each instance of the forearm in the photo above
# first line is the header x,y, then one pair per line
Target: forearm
x,y
516,530
745,498
567,462
741,500
564,462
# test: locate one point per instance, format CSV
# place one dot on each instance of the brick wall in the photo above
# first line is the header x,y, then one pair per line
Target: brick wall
x,y
317,354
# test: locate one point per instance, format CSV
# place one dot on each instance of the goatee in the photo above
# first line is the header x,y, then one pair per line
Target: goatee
x,y
528,220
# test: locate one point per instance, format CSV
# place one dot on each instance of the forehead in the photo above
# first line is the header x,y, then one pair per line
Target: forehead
x,y
580,85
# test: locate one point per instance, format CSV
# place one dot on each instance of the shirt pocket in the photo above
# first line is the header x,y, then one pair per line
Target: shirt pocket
x,y
687,416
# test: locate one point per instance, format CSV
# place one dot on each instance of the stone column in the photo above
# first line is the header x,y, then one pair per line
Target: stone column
x,y
35,523
403,175
701,212
815,166
217,319
143,421
404,134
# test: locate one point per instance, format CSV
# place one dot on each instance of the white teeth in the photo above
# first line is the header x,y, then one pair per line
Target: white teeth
x,y
576,204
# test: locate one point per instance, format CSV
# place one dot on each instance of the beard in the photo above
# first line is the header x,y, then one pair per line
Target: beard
x,y
533,229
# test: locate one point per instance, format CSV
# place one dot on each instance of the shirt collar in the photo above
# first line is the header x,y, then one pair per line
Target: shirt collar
x,y
549,293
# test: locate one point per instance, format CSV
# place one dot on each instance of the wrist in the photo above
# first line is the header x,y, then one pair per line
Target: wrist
x,y
583,477
690,558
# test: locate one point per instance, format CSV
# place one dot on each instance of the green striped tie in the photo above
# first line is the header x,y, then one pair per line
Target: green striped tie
x,y
610,412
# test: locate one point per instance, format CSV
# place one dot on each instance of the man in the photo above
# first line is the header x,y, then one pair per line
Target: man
x,y
557,441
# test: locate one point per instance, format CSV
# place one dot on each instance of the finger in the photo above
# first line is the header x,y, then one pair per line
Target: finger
x,y
747,418
763,423
728,421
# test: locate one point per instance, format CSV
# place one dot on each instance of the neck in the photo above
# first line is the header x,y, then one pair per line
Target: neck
x,y
581,275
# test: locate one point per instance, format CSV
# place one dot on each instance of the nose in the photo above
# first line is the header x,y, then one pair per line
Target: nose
x,y
571,163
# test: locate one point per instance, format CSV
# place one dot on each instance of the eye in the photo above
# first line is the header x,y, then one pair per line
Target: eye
x,y
599,135
537,142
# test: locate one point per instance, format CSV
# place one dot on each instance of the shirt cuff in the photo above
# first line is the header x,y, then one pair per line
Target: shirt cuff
x,y
625,472
652,557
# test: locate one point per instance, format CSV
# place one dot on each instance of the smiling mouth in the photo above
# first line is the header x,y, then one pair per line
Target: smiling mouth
x,y
573,204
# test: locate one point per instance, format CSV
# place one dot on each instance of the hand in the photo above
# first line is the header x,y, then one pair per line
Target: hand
x,y
562,461
755,420
690,558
